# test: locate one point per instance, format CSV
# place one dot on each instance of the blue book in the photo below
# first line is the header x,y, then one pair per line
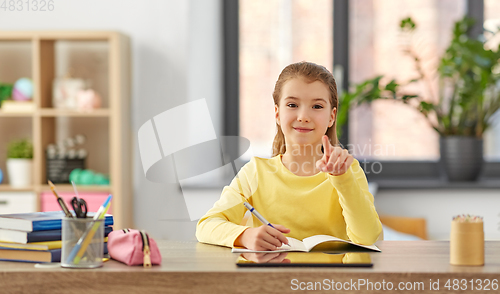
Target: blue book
x,y
37,236
39,221
37,256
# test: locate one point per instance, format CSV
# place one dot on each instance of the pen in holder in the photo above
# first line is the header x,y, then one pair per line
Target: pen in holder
x,y
74,229
467,241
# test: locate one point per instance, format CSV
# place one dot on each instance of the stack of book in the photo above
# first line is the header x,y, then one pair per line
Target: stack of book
x,y
36,237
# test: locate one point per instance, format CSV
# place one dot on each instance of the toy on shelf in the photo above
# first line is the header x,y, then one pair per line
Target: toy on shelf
x,y
88,177
23,90
88,100
65,91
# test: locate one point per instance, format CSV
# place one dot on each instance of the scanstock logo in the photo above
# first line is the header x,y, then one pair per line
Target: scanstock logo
x,y
180,146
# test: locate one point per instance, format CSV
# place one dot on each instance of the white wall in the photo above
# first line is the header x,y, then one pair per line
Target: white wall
x,y
439,206
176,58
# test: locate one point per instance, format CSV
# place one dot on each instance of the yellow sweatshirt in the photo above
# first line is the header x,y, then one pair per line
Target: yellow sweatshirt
x,y
321,204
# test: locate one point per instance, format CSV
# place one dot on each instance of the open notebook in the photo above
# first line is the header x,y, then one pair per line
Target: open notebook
x,y
308,244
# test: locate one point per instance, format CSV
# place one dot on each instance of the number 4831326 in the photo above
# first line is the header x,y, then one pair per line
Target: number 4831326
x,y
27,5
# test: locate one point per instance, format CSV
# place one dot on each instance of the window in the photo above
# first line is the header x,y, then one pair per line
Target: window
x,y
492,23
387,130
273,34
384,133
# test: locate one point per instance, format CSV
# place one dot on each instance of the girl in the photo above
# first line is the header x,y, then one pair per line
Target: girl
x,y
309,187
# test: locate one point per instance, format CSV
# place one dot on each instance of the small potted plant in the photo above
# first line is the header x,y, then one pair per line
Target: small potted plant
x,y
20,163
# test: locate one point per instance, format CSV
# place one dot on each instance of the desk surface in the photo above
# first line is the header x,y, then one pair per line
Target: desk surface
x,y
191,267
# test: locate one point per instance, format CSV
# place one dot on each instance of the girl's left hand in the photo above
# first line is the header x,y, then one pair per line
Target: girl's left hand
x,y
335,161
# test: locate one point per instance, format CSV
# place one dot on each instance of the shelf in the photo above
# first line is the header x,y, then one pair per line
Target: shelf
x,y
8,188
59,188
69,188
15,36
57,35
103,59
16,114
52,112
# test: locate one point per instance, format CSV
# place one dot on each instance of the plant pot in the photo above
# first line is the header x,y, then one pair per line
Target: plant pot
x,y
461,157
20,172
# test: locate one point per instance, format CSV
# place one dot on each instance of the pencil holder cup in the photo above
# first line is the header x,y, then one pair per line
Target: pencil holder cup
x,y
466,243
82,242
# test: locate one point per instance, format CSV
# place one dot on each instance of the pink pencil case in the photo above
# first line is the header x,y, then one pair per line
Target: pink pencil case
x,y
133,247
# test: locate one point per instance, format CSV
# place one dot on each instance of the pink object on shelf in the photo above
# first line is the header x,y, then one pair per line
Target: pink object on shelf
x,y
88,100
19,96
94,201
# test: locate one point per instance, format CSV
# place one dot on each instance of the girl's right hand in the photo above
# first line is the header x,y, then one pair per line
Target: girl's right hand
x,y
263,238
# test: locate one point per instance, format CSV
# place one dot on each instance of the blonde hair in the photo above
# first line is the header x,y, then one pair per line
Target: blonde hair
x,y
311,72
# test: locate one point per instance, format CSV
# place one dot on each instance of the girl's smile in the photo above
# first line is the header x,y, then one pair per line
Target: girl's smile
x,y
302,130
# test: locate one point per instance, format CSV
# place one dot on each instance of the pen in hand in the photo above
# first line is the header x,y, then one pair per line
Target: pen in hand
x,y
258,215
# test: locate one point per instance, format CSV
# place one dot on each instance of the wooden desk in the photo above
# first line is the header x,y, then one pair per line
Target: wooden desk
x,y
190,267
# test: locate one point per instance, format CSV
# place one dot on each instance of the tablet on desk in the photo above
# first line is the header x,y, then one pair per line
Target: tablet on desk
x,y
301,259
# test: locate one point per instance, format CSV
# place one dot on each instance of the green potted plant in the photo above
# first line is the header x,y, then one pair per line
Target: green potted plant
x,y
20,163
469,95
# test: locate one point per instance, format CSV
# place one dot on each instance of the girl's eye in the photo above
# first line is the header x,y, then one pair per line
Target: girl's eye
x,y
291,105
317,106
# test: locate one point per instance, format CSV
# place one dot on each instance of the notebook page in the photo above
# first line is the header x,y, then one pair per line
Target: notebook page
x,y
295,245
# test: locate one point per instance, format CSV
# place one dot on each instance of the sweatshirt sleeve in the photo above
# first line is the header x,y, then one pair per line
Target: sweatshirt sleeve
x,y
221,224
363,223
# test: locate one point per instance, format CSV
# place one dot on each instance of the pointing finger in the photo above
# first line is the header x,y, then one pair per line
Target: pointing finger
x,y
326,154
327,147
